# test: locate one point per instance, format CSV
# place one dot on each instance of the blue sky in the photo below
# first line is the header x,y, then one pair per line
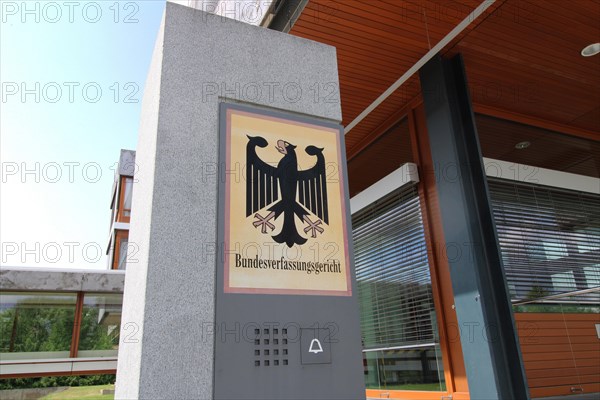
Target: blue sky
x,y
72,77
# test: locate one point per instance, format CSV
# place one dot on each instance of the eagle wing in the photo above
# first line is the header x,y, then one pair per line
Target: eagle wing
x,y
262,184
312,186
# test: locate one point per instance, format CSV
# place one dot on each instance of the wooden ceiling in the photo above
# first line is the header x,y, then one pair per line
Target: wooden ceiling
x,y
521,56
526,58
377,41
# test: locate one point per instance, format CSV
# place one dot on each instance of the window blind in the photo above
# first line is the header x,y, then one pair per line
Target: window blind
x,y
392,270
549,240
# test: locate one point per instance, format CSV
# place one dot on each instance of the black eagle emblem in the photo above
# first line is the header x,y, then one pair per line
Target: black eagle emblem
x,y
302,192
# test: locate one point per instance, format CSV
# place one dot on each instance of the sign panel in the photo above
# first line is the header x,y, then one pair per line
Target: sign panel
x,y
284,228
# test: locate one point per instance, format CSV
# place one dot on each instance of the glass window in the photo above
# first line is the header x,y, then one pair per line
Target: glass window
x,y
36,325
100,325
113,209
382,157
555,249
588,240
398,324
110,255
371,368
528,145
548,239
411,369
123,254
564,280
127,197
592,276
119,250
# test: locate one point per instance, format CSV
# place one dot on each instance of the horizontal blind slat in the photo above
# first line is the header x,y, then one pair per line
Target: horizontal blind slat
x,y
549,239
392,270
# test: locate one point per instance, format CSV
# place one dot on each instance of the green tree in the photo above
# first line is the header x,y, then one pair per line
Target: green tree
x,y
26,328
94,335
33,325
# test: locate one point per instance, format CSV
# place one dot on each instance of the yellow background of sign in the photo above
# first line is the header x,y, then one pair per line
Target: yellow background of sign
x,y
247,240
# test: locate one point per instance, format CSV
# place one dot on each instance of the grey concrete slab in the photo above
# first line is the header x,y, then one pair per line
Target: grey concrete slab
x,y
61,280
126,162
199,61
129,364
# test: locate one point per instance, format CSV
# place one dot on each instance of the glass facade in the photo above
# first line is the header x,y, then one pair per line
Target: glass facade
x,y
398,321
382,157
39,325
550,244
36,325
549,239
127,197
122,262
549,236
100,325
541,148
413,369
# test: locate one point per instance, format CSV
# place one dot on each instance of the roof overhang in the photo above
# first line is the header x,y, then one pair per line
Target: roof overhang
x,y
522,59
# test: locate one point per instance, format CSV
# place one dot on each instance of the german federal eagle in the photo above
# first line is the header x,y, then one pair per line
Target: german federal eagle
x,y
302,192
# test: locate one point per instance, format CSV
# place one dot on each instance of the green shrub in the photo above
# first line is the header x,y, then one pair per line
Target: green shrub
x,y
55,381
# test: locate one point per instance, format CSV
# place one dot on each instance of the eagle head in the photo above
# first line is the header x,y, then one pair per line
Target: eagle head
x,y
283,147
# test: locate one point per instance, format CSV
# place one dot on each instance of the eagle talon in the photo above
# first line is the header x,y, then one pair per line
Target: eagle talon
x,y
263,222
313,227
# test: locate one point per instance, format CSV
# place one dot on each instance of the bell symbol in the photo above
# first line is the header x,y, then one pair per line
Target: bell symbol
x,y
315,347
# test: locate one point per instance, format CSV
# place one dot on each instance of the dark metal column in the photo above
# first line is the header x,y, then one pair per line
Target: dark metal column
x,y
489,340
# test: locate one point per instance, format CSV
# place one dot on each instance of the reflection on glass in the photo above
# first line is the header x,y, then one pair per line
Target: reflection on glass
x,y
380,158
35,325
123,254
128,193
371,368
592,275
398,320
100,325
552,150
417,368
549,239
